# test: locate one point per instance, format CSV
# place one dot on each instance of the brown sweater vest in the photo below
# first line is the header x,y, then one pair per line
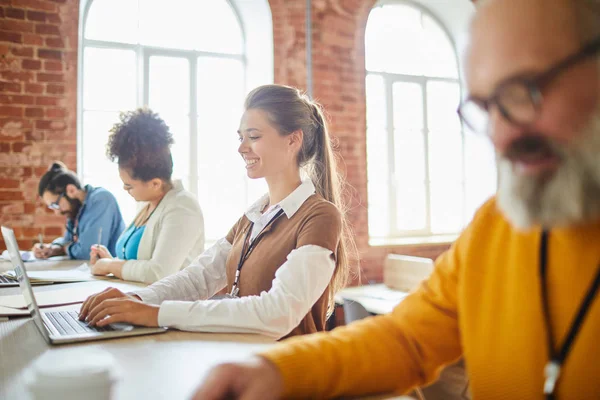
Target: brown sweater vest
x,y
317,222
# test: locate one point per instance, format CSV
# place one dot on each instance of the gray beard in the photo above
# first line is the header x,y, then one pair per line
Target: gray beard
x,y
569,196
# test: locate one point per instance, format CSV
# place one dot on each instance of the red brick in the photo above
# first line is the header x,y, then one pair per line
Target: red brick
x,y
29,208
31,64
11,37
2,13
55,89
44,77
16,26
54,66
4,147
56,113
35,5
37,16
46,101
53,18
21,51
55,42
50,54
53,231
10,111
33,40
10,87
22,76
47,29
18,147
16,99
34,88
11,195
34,112
15,13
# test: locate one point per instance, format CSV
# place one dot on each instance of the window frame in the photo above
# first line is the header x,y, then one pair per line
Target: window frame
x,y
425,235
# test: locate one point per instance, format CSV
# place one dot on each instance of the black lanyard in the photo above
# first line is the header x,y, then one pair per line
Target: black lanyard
x,y
552,368
246,250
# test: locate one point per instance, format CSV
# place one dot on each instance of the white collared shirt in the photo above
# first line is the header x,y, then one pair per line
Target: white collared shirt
x,y
290,205
298,284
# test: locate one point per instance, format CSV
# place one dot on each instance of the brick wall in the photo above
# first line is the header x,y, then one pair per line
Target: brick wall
x,y
38,83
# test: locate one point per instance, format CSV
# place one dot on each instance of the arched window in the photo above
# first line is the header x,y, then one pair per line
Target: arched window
x,y
188,61
425,175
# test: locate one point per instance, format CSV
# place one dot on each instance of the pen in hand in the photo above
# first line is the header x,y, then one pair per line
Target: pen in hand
x,y
97,245
99,238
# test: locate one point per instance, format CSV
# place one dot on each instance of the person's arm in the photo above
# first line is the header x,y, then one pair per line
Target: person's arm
x,y
98,214
297,286
200,280
59,245
181,226
394,352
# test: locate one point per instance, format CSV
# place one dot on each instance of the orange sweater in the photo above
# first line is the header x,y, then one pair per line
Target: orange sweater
x,y
483,301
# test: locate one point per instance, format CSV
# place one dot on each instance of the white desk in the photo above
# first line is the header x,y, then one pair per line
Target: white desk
x,y
376,299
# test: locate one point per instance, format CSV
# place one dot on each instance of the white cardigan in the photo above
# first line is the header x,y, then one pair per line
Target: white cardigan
x,y
172,239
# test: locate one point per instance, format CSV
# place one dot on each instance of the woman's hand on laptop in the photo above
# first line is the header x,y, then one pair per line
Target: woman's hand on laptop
x,y
112,306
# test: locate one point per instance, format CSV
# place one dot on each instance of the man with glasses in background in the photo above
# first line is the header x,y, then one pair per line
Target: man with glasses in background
x,y
517,293
93,215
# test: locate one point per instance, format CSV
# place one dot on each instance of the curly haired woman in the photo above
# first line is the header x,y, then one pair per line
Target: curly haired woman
x,y
168,232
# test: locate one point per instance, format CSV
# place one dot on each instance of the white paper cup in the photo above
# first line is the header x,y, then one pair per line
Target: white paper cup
x,y
80,374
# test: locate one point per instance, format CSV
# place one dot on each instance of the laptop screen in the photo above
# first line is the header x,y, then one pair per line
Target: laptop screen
x,y
21,273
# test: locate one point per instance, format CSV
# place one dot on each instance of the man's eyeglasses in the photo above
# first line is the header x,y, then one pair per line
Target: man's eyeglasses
x,y
519,99
54,205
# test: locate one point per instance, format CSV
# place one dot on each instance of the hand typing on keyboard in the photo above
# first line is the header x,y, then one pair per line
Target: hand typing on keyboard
x,y
112,305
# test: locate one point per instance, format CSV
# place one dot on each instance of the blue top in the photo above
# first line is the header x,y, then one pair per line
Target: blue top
x,y
129,241
99,209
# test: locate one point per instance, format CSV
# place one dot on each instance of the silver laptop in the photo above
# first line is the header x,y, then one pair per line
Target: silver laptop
x,y
58,327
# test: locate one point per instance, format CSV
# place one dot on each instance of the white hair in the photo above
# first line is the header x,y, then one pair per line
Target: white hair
x,y
570,196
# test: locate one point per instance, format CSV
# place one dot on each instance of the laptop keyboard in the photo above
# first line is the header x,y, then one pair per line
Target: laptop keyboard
x,y
68,323
7,279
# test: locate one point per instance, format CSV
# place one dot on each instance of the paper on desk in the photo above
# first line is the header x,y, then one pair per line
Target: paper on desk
x,y
12,312
70,295
80,274
27,256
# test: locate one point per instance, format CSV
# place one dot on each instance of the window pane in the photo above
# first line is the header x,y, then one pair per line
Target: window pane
x,y
217,20
400,22
169,26
220,105
376,102
481,175
109,77
420,46
408,105
438,52
379,183
169,91
445,156
113,21
442,100
410,206
446,207
98,170
409,156
379,209
378,168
